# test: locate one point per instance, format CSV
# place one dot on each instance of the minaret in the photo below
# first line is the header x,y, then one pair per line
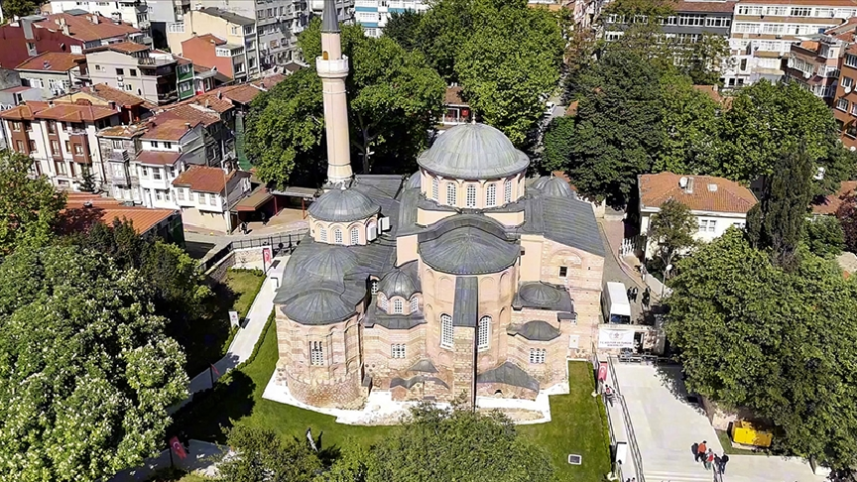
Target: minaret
x,y
332,67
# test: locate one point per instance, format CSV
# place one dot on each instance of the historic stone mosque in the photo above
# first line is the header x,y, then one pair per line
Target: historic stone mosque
x,y
464,280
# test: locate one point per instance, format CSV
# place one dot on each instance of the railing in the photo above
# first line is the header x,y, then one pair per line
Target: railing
x,y
629,427
118,155
278,243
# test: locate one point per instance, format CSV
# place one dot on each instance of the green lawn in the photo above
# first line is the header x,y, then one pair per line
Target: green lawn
x,y
578,425
245,285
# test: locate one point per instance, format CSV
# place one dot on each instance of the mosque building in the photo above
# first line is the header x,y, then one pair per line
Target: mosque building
x,y
464,280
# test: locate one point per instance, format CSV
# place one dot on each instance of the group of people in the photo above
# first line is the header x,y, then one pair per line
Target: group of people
x,y
709,459
647,295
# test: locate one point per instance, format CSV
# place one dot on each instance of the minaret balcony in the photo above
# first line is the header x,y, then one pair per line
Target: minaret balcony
x,y
332,68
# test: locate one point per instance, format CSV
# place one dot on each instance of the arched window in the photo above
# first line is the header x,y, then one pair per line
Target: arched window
x,y
397,306
484,333
537,355
491,195
384,302
508,194
322,234
450,194
316,353
355,236
374,285
337,236
446,331
434,188
415,304
471,196
372,231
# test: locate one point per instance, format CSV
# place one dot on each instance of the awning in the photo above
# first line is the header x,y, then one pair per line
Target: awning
x,y
254,201
294,191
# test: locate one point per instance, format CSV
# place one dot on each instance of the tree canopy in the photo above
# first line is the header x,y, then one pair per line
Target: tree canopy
x,y
86,371
823,236
19,8
753,335
672,228
263,455
30,207
847,216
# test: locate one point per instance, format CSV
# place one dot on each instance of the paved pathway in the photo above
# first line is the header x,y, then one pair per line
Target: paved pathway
x,y
614,272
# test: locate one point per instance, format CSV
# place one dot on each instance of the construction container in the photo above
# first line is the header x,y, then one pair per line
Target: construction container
x,y
745,433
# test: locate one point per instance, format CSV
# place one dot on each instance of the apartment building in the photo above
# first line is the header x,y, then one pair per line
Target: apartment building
x,y
63,32
692,19
845,100
815,64
135,69
373,15
234,29
131,108
132,12
214,52
54,73
168,147
217,116
60,139
207,196
763,31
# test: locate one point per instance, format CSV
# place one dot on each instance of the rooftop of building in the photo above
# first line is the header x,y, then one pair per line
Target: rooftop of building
x,y
228,16
121,47
112,94
699,193
87,27
207,37
82,210
705,6
58,111
831,203
158,158
192,113
204,179
453,96
161,129
52,62
802,3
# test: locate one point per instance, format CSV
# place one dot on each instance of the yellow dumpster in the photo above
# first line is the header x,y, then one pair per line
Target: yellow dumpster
x,y
746,434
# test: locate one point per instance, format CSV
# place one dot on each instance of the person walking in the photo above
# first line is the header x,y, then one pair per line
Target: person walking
x,y
608,394
647,296
708,462
723,461
634,292
716,463
700,451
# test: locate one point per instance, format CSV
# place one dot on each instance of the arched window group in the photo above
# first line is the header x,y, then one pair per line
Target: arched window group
x,y
471,196
397,306
337,236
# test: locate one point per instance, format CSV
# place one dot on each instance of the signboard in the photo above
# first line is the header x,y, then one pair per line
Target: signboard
x,y
574,341
608,338
233,319
267,254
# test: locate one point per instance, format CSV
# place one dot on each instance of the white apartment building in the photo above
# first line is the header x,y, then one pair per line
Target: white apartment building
x,y
134,12
166,151
763,31
207,196
374,14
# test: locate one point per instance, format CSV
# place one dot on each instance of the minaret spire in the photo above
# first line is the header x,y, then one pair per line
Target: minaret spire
x,y
332,67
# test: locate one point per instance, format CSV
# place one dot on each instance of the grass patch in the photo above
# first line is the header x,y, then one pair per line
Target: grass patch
x,y
578,426
209,338
726,442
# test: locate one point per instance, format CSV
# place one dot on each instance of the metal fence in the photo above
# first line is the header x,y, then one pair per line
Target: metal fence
x,y
279,243
629,427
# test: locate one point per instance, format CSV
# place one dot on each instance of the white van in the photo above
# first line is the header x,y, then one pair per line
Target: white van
x,y
614,304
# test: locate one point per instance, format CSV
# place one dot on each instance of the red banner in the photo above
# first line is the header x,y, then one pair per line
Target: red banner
x,y
178,448
266,255
602,372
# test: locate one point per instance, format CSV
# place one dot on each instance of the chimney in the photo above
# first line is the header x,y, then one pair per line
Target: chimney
x,y
219,95
112,104
187,124
94,19
65,31
207,101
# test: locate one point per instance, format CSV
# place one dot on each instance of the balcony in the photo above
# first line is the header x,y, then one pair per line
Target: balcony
x,y
155,61
332,68
119,174
118,155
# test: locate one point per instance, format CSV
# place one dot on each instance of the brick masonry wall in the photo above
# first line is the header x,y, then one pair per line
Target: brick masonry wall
x,y
218,271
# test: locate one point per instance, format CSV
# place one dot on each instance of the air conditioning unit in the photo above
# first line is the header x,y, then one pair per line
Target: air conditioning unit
x,y
847,89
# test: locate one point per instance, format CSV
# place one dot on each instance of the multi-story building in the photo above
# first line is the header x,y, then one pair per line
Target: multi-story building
x,y
168,147
374,14
131,108
136,69
764,30
692,19
207,196
60,138
55,73
845,101
815,64
232,28
214,52
62,32
217,116
133,12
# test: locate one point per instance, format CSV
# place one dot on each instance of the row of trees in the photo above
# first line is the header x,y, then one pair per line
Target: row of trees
x,y
505,56
433,445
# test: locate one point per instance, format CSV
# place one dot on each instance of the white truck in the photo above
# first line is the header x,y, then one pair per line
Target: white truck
x,y
614,304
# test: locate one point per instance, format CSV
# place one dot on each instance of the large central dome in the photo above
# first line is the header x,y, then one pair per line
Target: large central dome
x,y
473,151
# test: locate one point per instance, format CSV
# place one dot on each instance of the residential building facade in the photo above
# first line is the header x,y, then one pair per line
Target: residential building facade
x,y
232,28
689,23
374,14
131,108
132,12
214,52
815,64
717,203
207,196
55,73
764,30
135,69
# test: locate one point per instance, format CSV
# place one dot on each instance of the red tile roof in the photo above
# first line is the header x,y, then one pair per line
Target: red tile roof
x,y
203,179
59,111
121,98
52,62
158,158
17,88
209,38
123,47
166,129
77,217
26,111
241,93
825,3
192,113
83,28
831,203
269,81
453,96
709,193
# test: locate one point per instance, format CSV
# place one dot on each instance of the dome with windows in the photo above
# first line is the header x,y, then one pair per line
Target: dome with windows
x,y
343,205
397,283
472,152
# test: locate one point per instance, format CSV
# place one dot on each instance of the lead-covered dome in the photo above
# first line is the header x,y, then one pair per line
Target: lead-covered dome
x,y
397,283
473,152
343,205
556,187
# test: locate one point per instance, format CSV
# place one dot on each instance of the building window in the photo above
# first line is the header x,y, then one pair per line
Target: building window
x,y
61,168
398,351
78,150
508,189
491,195
450,194
52,127
434,188
159,194
537,355
16,126
384,302
563,271
851,60
471,196
322,234
415,304
398,306
117,144
842,104
211,199
120,71
484,334
374,287
32,145
180,194
168,145
55,148
19,146
355,236
738,225
132,72
707,225
446,331
316,353
156,174
155,144
145,171
67,146
337,236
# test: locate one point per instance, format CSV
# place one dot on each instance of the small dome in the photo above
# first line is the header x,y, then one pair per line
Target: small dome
x,y
343,205
540,182
317,307
557,187
539,295
468,245
324,262
413,181
397,283
473,151
538,330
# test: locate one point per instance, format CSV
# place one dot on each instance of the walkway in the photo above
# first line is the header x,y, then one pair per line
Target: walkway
x,y
613,271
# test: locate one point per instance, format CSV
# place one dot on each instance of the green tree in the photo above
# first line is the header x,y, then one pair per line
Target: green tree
x,y
403,27
777,221
19,8
704,60
558,143
672,228
824,237
429,448
690,125
86,374
759,337
30,207
618,127
263,455
88,184
847,216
